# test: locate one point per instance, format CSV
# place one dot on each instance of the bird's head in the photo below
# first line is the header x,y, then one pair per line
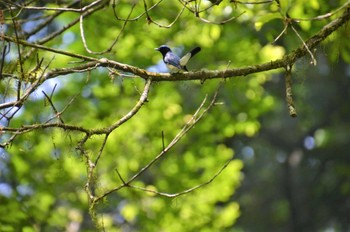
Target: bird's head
x,y
163,49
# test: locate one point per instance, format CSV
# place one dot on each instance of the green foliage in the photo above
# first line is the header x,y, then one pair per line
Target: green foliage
x,y
47,173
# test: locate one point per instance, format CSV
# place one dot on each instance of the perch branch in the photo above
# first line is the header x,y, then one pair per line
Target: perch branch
x,y
199,75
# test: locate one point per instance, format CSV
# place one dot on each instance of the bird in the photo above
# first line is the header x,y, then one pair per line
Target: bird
x,y
173,62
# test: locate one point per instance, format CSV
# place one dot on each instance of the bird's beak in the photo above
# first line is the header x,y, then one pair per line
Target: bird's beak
x,y
157,49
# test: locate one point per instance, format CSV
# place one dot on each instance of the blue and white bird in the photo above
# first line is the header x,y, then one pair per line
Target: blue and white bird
x,y
173,62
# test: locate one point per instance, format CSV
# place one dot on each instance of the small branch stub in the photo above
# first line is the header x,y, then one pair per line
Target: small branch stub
x,y
289,93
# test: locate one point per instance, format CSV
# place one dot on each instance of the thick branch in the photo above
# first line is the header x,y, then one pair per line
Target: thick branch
x,y
289,59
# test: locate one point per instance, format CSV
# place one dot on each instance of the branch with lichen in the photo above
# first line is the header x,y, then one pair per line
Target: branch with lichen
x,y
92,62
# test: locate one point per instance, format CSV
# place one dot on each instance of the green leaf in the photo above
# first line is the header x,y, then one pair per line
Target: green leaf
x,y
265,18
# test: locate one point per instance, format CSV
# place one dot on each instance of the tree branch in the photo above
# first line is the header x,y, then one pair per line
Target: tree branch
x,y
289,59
197,116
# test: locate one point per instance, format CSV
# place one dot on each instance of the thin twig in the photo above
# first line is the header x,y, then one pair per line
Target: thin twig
x,y
101,149
86,13
163,143
19,84
82,34
196,11
313,60
174,195
150,20
2,61
197,116
53,106
324,16
62,9
223,21
253,3
62,111
282,32
135,18
47,21
133,111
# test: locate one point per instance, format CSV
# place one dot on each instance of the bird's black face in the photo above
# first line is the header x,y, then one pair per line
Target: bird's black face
x,y
163,49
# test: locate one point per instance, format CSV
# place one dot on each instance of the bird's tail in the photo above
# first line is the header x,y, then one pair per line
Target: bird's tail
x,y
195,50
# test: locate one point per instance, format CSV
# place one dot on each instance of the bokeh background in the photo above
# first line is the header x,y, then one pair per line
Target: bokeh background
x,y
287,174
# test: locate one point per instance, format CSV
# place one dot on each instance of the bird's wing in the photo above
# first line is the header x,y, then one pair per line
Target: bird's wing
x,y
172,59
184,60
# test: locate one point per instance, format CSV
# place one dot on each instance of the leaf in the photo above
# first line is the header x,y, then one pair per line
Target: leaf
x,y
263,19
284,7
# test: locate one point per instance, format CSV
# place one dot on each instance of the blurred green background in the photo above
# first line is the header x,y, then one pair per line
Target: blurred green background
x,y
288,174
